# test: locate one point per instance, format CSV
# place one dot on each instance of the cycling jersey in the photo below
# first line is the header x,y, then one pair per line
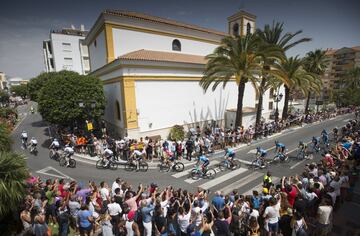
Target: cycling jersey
x,y
108,152
280,145
24,135
33,142
230,152
137,153
203,158
55,144
69,150
262,152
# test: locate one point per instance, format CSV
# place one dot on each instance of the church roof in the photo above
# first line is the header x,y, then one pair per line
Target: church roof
x,y
148,55
156,19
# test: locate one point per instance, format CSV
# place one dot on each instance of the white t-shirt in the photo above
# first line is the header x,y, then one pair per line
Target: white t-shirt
x,y
324,213
184,221
164,207
336,185
255,213
115,186
114,209
104,193
271,214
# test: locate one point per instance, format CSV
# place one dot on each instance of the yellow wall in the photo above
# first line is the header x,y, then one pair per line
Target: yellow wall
x,y
129,103
109,43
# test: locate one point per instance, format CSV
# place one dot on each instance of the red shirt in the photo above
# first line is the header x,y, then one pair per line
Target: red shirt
x,y
291,195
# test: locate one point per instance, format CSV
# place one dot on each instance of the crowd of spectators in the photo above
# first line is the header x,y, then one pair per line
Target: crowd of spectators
x,y
205,139
301,204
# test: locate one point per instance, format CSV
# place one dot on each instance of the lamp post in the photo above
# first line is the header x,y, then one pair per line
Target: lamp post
x,y
277,100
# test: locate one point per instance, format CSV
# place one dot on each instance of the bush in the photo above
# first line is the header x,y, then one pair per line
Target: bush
x,y
5,140
177,133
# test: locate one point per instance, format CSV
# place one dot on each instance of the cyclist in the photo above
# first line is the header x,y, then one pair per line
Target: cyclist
x,y
325,136
108,154
32,144
303,148
279,147
262,154
55,145
137,156
230,154
32,109
69,151
24,138
316,142
203,158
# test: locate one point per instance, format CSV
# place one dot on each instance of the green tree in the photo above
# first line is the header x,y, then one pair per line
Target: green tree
x,y
314,63
20,90
13,173
4,97
35,84
238,58
59,98
353,78
298,77
177,133
5,140
273,35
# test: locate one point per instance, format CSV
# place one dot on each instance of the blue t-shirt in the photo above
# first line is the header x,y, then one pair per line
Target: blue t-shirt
x,y
218,202
347,145
83,218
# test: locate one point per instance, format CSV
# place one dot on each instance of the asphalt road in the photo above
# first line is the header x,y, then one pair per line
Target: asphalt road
x,y
244,179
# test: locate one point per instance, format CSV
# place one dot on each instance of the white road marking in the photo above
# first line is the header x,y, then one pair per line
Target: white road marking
x,y
186,172
292,167
222,178
191,181
259,187
238,184
60,174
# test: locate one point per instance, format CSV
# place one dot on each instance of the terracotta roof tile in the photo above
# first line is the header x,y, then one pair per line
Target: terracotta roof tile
x,y
156,19
357,48
148,55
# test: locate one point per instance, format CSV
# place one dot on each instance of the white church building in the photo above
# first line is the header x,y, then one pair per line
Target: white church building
x,y
151,68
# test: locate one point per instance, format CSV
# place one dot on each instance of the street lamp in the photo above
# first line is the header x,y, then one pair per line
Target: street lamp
x,y
277,100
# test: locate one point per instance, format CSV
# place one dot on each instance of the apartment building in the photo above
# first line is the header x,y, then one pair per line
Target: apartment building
x,y
338,62
65,50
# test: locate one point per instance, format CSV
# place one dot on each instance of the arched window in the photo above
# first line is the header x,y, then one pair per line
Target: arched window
x,y
235,29
176,45
117,109
248,28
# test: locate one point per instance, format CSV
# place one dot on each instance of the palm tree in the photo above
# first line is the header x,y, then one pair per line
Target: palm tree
x,y
314,63
238,58
298,77
353,78
5,141
273,35
13,173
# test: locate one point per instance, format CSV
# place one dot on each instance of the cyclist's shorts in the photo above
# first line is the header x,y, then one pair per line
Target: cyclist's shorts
x,y
263,154
232,155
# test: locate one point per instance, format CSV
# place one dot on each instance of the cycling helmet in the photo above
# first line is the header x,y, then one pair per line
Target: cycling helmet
x,y
301,143
257,148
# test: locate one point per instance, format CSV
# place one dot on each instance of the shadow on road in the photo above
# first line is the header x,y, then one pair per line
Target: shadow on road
x,y
40,123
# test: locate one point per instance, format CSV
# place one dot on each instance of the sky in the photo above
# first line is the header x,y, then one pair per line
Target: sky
x,y
24,24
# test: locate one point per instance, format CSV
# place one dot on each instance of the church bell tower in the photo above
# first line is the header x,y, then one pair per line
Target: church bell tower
x,y
241,23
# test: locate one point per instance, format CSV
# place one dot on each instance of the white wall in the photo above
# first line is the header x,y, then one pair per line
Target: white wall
x,y
74,52
252,23
165,103
113,94
98,53
127,41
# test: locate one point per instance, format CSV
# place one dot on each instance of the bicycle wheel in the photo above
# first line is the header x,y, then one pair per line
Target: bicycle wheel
x,y
236,164
210,173
195,174
72,163
254,164
129,166
113,165
62,161
223,165
164,167
178,167
143,166
51,154
100,164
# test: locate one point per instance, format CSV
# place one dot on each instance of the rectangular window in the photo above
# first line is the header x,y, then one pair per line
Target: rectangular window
x,y
271,94
68,61
66,47
271,105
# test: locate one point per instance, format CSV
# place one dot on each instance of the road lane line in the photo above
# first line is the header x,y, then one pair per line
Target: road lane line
x,y
222,178
191,181
292,167
241,182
